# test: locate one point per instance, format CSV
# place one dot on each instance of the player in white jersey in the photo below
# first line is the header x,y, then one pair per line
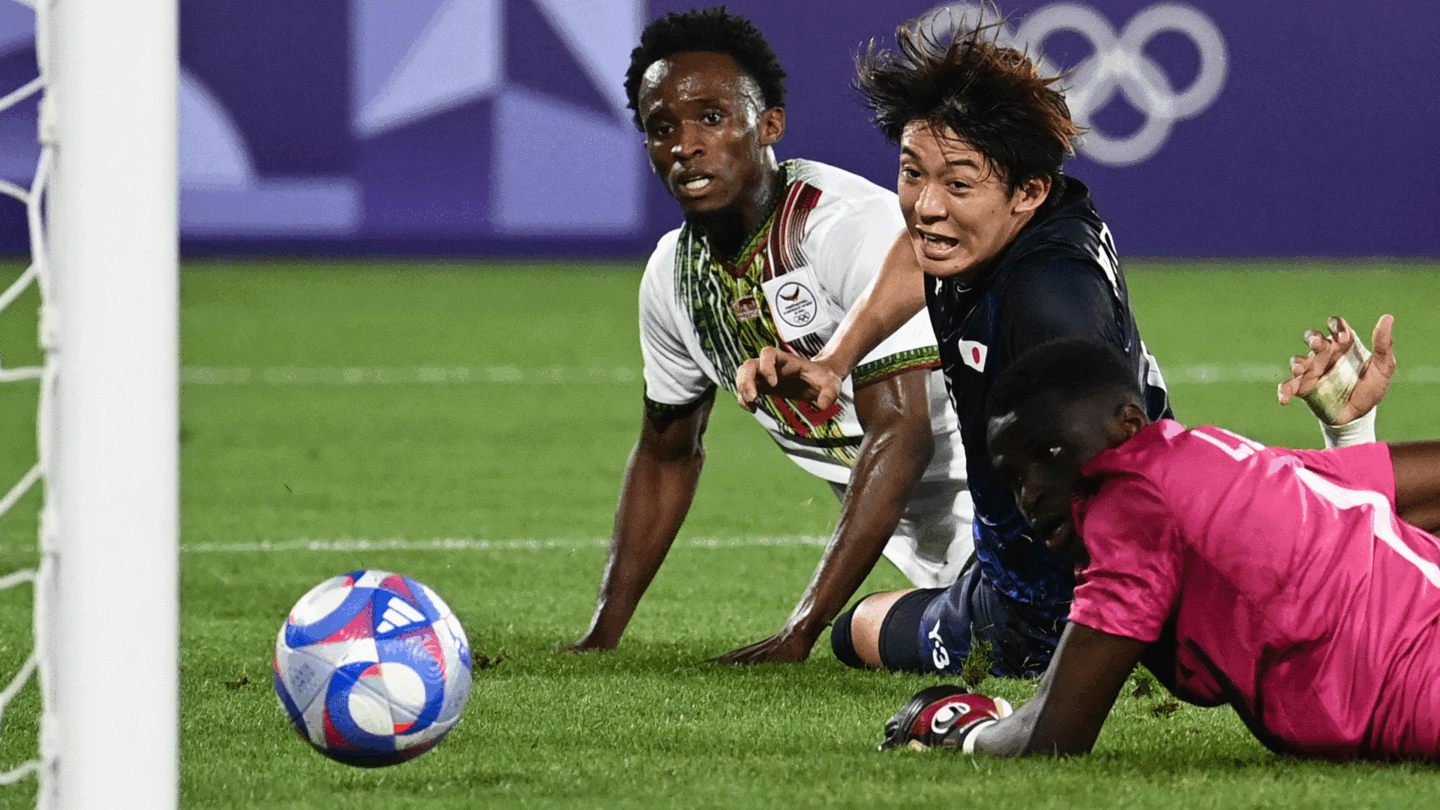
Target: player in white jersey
x,y
772,254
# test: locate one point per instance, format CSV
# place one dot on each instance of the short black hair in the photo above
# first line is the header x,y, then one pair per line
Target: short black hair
x,y
709,30
989,95
1069,368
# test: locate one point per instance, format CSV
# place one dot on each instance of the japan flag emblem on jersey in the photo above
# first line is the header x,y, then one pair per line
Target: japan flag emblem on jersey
x,y
973,353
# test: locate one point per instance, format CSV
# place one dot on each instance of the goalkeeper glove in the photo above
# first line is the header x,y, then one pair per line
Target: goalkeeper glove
x,y
944,716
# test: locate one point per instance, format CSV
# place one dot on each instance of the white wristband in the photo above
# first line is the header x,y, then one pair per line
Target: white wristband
x,y
1360,430
967,743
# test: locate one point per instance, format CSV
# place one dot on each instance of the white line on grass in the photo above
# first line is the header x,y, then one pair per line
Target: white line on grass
x,y
482,375
478,544
363,375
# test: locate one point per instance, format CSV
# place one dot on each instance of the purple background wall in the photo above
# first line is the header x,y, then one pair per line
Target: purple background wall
x,y
497,127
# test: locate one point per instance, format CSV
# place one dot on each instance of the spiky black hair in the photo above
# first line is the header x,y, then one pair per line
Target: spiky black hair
x,y
711,30
985,93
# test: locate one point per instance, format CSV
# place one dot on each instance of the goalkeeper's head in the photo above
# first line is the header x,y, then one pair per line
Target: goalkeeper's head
x,y
1050,412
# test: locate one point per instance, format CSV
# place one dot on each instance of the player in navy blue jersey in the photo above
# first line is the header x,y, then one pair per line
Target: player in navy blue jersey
x,y
1007,253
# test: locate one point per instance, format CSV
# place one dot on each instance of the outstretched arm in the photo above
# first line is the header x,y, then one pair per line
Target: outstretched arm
x,y
898,444
893,298
660,482
1417,483
1064,718
1075,696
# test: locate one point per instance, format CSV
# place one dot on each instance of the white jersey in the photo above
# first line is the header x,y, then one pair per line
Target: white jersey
x,y
701,316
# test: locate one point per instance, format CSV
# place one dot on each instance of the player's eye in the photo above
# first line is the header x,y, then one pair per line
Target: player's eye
x,y
713,117
1046,452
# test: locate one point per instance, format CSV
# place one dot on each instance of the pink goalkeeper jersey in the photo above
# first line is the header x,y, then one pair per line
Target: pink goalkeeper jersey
x,y
1278,581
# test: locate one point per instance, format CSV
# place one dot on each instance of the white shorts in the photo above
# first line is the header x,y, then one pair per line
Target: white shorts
x,y
935,538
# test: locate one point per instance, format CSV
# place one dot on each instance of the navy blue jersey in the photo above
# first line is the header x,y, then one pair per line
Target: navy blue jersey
x,y
1060,278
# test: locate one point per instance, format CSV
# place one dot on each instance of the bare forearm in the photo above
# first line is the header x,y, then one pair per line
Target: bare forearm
x,y
898,445
889,466
1417,483
1011,736
896,294
1075,695
660,481
1025,734
654,500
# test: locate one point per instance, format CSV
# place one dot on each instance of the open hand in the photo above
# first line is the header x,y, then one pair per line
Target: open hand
x,y
788,376
1374,376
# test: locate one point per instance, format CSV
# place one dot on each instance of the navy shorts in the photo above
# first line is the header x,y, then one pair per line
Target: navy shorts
x,y
930,630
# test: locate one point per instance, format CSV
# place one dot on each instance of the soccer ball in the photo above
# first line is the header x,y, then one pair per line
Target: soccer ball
x,y
373,668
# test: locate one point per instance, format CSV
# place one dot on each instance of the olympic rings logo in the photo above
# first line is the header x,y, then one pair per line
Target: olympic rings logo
x,y
1118,65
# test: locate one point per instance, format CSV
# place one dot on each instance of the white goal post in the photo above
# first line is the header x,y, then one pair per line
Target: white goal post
x,y
109,610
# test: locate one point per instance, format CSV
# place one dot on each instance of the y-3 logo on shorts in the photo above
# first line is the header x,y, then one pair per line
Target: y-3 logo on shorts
x,y
938,653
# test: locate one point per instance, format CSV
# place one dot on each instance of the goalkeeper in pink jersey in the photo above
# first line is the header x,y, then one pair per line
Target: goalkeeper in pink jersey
x,y
1300,587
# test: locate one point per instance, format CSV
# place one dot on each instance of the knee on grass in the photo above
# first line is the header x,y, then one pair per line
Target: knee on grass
x,y
867,635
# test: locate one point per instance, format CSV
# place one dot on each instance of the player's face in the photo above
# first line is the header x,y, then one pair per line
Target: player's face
x,y
1039,448
708,137
959,211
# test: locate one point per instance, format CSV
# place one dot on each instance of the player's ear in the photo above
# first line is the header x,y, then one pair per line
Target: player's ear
x,y
772,125
1031,194
1130,418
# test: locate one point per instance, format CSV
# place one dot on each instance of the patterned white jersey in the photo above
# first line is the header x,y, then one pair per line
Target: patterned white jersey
x,y
701,316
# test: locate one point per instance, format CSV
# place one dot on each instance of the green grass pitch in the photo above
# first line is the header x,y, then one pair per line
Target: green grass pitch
x,y
377,410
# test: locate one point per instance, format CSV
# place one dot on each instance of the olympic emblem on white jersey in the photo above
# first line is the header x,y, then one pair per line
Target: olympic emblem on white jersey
x,y
796,305
1118,64
795,302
